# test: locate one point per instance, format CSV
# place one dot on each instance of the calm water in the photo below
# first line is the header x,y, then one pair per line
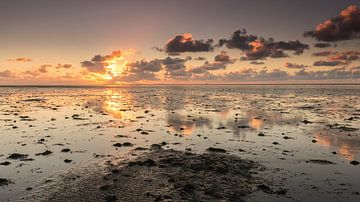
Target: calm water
x,y
299,123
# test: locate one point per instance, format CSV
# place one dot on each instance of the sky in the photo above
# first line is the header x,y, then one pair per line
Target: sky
x,y
96,42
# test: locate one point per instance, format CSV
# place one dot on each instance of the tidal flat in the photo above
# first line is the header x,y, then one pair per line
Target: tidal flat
x,y
180,143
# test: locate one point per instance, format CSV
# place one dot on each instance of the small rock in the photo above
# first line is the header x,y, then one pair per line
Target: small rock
x,y
127,144
4,182
355,163
117,144
5,163
320,161
213,149
65,150
47,152
111,198
17,156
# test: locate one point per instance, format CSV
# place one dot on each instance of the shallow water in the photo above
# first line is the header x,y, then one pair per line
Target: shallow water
x,y
296,124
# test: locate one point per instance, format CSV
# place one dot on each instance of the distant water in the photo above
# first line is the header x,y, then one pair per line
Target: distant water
x,y
298,125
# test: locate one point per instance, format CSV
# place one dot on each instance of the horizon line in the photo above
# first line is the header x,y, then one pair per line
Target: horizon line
x,y
192,84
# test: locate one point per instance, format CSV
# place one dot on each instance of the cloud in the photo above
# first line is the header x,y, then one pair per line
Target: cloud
x,y
208,66
43,68
146,66
257,63
185,43
342,27
329,63
7,74
246,75
258,48
175,68
142,70
20,59
223,57
137,76
322,53
252,75
346,55
294,65
338,73
32,73
199,58
239,40
98,63
296,46
322,45
158,49
64,66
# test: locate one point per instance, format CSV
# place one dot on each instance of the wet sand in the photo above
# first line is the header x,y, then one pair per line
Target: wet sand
x,y
296,142
160,175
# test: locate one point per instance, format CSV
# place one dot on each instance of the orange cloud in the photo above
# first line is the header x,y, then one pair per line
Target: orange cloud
x,y
20,59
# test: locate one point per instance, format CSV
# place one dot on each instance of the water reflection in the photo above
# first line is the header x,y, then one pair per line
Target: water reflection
x,y
187,124
347,145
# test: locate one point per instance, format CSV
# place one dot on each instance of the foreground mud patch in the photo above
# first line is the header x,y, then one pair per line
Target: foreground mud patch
x,y
159,175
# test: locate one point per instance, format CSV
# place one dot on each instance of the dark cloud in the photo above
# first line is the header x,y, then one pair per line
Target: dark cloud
x,y
257,63
145,66
98,63
185,43
158,49
20,59
346,55
322,53
261,50
223,57
239,40
322,45
43,68
207,66
329,63
175,68
137,76
140,71
294,65
342,27
258,48
296,46
172,64
64,66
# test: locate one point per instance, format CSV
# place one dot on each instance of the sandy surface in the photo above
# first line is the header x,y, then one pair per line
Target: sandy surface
x,y
159,175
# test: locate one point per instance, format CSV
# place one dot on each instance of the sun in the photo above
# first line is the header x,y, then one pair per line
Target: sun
x,y
116,66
